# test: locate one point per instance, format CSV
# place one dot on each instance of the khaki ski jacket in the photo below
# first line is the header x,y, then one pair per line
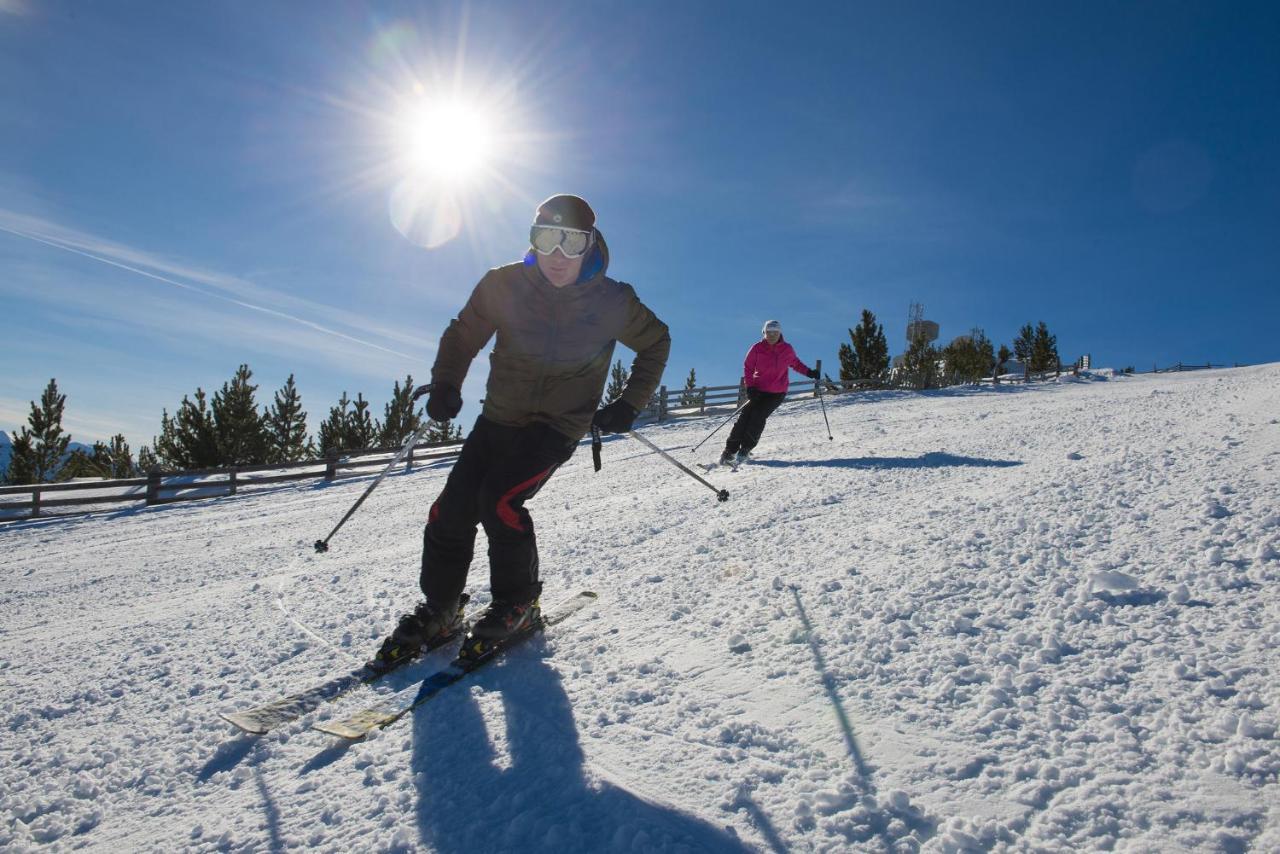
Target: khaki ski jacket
x,y
554,345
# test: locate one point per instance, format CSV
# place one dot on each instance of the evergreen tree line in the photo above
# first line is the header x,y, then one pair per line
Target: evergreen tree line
x,y
230,430
691,395
864,360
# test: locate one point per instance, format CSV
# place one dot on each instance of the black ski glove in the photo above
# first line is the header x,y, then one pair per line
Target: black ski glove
x,y
813,374
445,402
617,417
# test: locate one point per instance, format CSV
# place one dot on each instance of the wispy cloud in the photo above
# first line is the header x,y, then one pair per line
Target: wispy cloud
x,y
234,290
14,7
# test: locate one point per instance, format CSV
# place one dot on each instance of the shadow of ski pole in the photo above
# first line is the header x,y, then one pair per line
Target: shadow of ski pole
x,y
828,682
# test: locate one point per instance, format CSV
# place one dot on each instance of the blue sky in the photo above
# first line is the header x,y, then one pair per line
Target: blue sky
x,y
185,187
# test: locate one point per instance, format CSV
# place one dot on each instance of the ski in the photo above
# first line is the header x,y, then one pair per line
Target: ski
x,y
396,706
260,719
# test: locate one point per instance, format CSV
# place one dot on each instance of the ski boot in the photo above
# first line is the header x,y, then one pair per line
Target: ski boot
x,y
727,458
427,627
500,621
741,458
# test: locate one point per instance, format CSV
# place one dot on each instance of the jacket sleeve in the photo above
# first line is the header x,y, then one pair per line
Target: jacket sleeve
x,y
749,367
651,340
467,333
797,365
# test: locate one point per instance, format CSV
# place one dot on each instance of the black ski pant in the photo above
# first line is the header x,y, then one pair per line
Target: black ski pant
x,y
746,431
498,470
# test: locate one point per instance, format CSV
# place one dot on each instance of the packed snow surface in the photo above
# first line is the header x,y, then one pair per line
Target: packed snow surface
x,y
1030,618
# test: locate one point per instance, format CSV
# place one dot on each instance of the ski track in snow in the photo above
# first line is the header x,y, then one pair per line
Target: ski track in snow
x,y
1024,618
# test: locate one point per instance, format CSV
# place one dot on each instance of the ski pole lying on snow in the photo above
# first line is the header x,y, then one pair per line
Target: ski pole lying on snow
x,y
323,545
721,424
722,494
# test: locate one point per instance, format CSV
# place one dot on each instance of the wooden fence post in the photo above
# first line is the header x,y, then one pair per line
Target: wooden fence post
x,y
153,485
231,479
35,502
817,366
408,461
662,403
331,464
742,391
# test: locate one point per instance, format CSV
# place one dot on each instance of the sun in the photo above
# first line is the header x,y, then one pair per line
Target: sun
x,y
450,140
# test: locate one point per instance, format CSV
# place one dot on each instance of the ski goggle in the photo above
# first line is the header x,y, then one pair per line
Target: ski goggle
x,y
545,239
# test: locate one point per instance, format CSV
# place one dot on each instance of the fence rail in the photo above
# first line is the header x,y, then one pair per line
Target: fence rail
x,y
1182,366
158,487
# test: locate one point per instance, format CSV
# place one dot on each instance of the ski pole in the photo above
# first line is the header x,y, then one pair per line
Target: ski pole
x,y
721,424
818,386
323,545
722,494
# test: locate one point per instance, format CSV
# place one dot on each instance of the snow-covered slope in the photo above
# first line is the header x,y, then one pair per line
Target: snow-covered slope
x,y
1034,618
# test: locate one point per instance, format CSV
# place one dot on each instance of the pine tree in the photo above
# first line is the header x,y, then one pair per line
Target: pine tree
x,y
333,432
286,426
22,459
147,460
1044,350
400,421
868,358
617,382
38,451
849,367
119,458
692,395
238,427
188,441
439,432
95,463
362,432
1002,358
920,362
969,357
1023,346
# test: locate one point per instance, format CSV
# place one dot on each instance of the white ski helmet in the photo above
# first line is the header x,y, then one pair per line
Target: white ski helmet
x,y
771,326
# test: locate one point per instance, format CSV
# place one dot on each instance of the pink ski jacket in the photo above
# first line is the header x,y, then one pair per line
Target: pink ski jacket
x,y
766,365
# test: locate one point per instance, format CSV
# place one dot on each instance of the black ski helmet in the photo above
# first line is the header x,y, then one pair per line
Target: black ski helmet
x,y
566,211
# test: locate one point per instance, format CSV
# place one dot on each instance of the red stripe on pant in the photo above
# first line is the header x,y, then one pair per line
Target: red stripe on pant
x,y
509,516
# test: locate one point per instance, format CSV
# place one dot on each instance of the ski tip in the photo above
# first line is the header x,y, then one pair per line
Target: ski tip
x,y
243,724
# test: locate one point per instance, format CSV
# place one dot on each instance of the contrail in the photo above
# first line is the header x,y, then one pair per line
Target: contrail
x,y
185,286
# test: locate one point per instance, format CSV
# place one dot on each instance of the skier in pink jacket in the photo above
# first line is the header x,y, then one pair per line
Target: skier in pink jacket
x,y
765,373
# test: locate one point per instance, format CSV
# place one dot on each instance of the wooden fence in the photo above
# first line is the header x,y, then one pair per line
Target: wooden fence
x,y
158,487
1180,366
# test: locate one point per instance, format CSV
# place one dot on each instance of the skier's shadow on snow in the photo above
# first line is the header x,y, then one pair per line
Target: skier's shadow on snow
x,y
533,795
936,459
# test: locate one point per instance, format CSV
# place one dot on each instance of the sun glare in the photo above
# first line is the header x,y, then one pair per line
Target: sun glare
x,y
450,141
